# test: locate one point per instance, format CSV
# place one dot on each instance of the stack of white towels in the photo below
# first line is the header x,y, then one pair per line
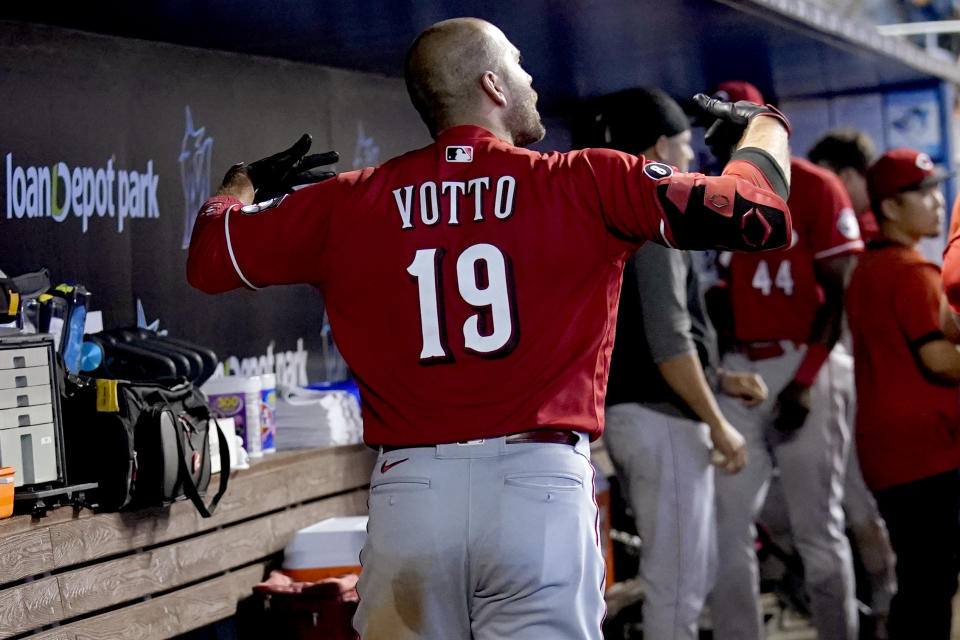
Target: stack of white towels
x,y
309,418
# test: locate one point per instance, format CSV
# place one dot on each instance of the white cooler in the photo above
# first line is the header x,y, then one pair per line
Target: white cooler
x,y
327,549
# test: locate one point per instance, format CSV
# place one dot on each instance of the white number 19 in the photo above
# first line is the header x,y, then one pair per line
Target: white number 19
x,y
485,282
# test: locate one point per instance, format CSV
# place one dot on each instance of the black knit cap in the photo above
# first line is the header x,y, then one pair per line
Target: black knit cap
x,y
634,119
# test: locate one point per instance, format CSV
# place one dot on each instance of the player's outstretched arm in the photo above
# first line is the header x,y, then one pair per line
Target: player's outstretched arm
x,y
736,211
770,136
236,243
744,209
762,132
279,173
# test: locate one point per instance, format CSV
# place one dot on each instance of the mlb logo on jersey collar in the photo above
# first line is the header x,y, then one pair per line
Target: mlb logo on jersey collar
x,y
459,153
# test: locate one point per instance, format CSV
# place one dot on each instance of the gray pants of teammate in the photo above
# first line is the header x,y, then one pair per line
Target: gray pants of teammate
x,y
812,464
663,463
482,541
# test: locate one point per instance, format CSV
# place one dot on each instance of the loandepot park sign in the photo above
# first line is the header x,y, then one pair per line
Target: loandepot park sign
x,y
59,191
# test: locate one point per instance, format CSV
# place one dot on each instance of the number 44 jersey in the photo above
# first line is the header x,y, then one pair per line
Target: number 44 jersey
x,y
471,285
775,295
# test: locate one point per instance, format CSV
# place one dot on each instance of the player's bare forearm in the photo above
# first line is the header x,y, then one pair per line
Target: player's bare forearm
x,y
833,275
684,374
770,135
794,400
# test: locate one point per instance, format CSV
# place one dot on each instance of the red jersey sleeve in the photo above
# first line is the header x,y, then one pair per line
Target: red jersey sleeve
x,y
262,244
624,194
834,229
641,199
916,301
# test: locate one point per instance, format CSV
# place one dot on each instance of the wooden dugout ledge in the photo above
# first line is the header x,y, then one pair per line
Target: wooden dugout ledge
x,y
157,573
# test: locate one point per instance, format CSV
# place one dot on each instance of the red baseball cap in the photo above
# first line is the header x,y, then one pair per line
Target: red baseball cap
x,y
737,90
900,170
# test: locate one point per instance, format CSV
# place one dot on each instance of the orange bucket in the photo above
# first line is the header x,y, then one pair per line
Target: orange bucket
x,y
6,492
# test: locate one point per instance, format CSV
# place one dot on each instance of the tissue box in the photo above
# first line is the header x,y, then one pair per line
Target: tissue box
x,y
327,549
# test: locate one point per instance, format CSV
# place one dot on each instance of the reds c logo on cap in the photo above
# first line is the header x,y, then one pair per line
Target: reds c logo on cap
x,y
924,162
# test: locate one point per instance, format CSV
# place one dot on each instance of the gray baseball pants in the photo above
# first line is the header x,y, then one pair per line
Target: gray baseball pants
x,y
812,464
482,541
663,463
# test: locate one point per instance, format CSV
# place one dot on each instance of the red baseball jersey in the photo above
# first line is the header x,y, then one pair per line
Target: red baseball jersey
x,y
869,227
907,426
775,296
471,285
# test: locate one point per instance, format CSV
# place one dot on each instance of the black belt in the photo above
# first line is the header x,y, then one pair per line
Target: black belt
x,y
551,436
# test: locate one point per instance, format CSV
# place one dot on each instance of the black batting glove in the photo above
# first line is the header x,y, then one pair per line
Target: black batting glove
x,y
732,118
278,174
792,408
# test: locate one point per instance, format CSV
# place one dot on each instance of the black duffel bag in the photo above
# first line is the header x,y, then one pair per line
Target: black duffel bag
x,y
147,444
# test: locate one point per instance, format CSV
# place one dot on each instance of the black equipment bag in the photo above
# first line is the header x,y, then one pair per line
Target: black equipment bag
x,y
146,444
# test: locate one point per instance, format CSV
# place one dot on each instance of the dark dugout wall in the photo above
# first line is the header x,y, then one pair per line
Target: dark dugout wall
x,y
109,146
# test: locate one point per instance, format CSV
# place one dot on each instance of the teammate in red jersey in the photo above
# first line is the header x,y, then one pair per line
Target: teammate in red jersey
x,y
848,153
907,433
472,287
786,318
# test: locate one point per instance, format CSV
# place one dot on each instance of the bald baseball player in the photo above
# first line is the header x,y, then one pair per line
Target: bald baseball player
x,y
472,287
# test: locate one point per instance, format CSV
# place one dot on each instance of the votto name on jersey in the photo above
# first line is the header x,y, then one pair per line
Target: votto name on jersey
x,y
465,198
